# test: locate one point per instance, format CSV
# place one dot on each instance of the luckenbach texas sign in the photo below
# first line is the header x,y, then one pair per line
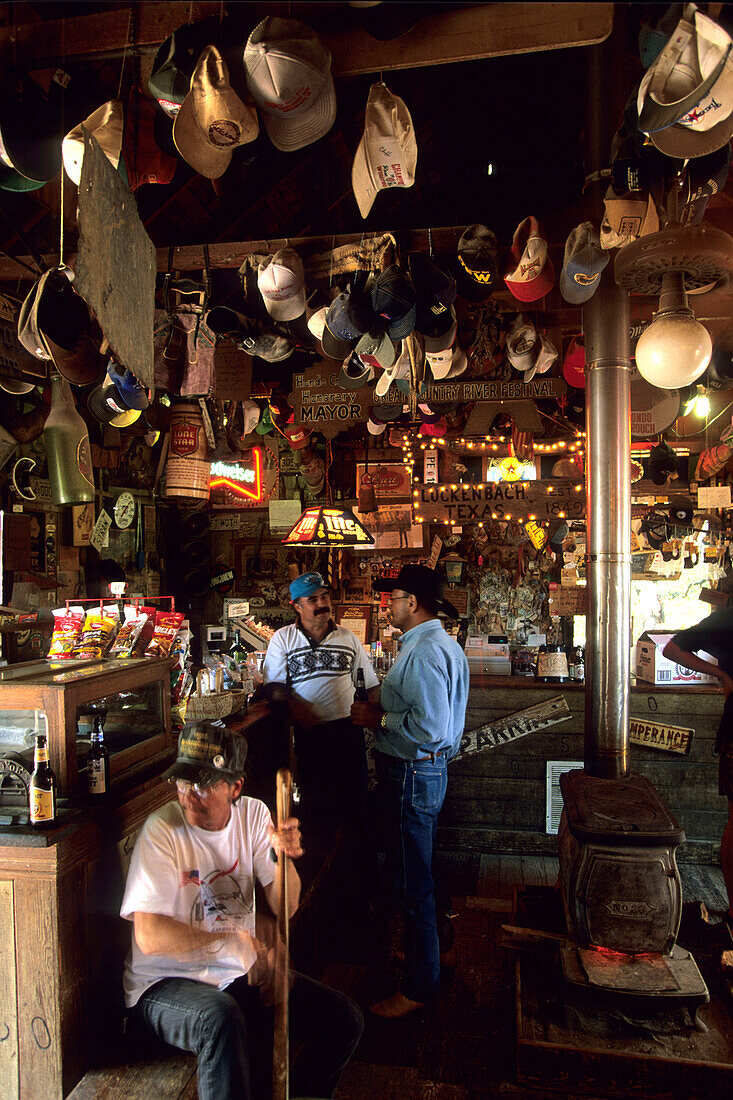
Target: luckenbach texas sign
x,y
541,500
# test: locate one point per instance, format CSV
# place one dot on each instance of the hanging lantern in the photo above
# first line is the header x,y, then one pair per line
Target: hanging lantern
x,y
322,526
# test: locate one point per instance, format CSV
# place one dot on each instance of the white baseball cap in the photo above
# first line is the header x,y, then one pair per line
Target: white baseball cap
x,y
685,100
106,124
387,153
447,364
289,77
252,413
281,282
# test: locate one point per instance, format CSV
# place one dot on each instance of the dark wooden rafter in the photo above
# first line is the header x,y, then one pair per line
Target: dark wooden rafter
x,y
462,34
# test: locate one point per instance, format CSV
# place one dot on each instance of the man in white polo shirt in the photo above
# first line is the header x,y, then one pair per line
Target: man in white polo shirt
x,y
311,667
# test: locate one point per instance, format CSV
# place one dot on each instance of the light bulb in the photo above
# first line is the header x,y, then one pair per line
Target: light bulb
x,y
675,349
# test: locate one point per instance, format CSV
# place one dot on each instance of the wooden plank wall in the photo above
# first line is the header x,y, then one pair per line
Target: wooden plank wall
x,y
496,798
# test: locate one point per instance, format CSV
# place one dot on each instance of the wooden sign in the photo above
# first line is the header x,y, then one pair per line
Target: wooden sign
x,y
496,392
320,403
116,263
513,726
232,372
560,498
655,735
569,601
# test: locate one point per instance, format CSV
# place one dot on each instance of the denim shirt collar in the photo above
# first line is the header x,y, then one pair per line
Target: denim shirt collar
x,y
411,636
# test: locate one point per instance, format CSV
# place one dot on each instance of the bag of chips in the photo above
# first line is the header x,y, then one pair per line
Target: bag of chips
x,y
136,618
97,634
66,631
167,625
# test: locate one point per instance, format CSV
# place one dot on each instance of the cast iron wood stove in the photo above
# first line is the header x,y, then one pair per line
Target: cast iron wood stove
x,y
621,891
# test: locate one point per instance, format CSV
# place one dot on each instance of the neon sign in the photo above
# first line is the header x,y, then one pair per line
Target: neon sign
x,y
239,478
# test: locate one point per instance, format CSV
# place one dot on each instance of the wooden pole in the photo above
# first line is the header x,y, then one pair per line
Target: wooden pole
x,y
281,1049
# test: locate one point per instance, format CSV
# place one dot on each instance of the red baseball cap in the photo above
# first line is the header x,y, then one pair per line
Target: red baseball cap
x,y
530,274
573,368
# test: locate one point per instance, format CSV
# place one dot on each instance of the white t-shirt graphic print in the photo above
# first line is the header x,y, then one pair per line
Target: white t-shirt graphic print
x,y
204,879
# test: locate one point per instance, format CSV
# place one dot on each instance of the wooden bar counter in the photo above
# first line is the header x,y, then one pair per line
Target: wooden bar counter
x,y
496,798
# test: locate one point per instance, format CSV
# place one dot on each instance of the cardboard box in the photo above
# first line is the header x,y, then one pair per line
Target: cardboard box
x,y
653,667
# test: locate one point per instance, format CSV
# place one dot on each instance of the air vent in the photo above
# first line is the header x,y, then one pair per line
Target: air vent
x,y
553,799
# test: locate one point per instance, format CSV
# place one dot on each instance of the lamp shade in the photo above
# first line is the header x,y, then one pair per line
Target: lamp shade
x,y
673,351
323,526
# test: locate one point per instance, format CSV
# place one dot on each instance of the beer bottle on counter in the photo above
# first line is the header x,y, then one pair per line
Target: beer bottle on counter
x,y
360,691
42,786
98,759
237,655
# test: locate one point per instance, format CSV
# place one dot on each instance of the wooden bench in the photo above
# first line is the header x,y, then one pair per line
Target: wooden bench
x,y
142,1069
164,1074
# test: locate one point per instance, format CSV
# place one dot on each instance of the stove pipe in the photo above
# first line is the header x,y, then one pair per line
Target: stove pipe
x,y
608,459
608,447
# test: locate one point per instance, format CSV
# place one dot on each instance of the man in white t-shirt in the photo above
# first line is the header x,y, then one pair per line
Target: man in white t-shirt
x,y
311,667
196,975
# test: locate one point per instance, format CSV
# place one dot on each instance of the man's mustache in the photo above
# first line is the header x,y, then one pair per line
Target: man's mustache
x,y
323,611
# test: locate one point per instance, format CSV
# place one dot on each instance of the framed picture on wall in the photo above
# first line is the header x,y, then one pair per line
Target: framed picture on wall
x,y
355,617
392,527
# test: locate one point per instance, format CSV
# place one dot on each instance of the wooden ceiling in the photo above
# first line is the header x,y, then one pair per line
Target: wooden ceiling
x,y
500,85
475,101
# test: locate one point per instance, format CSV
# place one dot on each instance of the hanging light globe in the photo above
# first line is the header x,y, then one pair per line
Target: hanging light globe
x,y
675,349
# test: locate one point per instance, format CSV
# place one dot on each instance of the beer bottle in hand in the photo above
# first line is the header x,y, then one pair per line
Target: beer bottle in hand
x,y
360,692
98,759
42,786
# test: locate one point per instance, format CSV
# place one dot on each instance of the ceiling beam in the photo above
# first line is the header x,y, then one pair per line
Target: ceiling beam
x,y
463,34
467,34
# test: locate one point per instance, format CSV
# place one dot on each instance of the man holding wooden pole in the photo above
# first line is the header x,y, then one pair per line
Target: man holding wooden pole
x,y
198,974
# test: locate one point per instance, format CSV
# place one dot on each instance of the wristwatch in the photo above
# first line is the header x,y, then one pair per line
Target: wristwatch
x,y
383,722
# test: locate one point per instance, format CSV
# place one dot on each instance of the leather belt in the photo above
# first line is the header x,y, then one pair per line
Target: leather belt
x,y
431,756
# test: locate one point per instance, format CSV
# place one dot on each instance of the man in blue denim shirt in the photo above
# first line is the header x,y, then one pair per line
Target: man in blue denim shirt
x,y
418,721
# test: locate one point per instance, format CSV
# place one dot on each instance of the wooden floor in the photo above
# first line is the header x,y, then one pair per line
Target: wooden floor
x,y
463,1047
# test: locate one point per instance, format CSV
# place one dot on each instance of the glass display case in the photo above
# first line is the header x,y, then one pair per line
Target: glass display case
x,y
62,696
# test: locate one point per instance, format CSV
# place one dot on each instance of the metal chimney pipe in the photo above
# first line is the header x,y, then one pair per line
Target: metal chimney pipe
x,y
608,444
608,457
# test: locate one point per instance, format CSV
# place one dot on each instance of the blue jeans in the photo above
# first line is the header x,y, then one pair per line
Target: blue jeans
x,y
412,793
232,1034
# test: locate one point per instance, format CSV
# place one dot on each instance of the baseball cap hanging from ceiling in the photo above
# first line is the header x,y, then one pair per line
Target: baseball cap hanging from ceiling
x,y
685,100
387,153
289,77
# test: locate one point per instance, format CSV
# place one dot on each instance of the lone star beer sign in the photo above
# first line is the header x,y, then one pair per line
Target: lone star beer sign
x,y
522,500
319,402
